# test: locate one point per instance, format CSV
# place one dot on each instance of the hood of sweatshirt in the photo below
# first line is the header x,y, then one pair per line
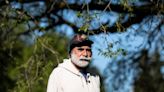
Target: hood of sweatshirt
x,y
68,65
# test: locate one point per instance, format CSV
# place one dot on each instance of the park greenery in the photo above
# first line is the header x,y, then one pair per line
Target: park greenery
x,y
31,45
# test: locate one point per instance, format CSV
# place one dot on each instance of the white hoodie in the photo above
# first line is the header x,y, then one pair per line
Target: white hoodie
x,y
66,78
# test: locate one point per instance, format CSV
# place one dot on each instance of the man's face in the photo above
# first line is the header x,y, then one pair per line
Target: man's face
x,y
81,56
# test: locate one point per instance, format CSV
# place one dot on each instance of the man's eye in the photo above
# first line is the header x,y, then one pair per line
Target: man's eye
x,y
88,49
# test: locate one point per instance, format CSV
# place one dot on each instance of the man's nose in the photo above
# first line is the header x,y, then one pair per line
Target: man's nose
x,y
85,53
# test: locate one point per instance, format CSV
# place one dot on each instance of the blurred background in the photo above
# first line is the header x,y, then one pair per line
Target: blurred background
x,y
128,35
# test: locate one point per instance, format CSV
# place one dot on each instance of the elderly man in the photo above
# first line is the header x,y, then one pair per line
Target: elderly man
x,y
71,75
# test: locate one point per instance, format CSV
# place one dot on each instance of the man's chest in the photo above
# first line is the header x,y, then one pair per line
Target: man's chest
x,y
74,83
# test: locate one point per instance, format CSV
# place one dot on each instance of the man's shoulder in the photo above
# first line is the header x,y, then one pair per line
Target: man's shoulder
x,y
93,71
95,76
56,71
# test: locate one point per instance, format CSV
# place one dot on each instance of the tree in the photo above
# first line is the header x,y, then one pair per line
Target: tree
x,y
86,16
26,61
150,79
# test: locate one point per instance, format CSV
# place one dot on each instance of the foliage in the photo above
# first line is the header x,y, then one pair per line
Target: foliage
x,y
25,53
39,60
151,78
26,64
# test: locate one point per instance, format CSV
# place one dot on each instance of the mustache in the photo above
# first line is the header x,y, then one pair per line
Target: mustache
x,y
85,58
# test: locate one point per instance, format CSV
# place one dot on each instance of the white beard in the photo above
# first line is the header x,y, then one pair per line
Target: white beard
x,y
82,62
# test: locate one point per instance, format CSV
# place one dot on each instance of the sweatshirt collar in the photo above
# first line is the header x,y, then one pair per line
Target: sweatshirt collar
x,y
68,65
